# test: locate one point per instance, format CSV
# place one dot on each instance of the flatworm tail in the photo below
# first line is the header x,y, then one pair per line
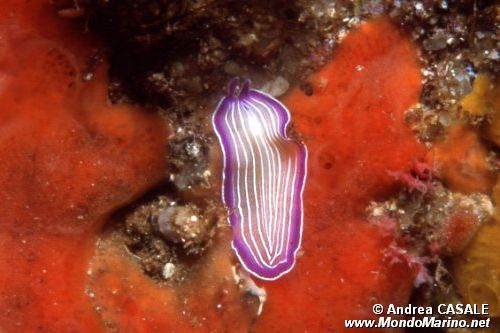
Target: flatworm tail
x,y
263,180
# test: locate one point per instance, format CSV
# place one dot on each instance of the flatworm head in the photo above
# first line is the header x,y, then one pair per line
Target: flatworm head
x,y
263,179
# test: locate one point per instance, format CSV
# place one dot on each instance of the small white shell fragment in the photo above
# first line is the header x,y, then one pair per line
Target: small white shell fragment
x,y
168,270
245,281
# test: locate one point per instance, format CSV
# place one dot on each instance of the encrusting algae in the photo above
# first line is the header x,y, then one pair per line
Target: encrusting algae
x,y
483,99
477,269
461,161
111,201
483,103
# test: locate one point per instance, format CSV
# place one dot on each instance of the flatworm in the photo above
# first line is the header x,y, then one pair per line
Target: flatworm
x,y
263,179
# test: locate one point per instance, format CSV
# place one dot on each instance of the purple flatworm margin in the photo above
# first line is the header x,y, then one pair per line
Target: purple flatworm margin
x,y
263,179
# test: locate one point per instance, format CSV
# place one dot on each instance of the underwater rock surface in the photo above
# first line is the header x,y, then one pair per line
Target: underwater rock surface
x,y
70,160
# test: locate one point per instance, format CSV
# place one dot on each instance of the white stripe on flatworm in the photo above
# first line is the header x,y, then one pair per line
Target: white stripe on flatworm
x,y
263,180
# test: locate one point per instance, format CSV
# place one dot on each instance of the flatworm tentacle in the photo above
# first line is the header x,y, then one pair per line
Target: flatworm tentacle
x,y
263,179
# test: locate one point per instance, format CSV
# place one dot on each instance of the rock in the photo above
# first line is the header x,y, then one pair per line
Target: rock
x,y
187,226
276,87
